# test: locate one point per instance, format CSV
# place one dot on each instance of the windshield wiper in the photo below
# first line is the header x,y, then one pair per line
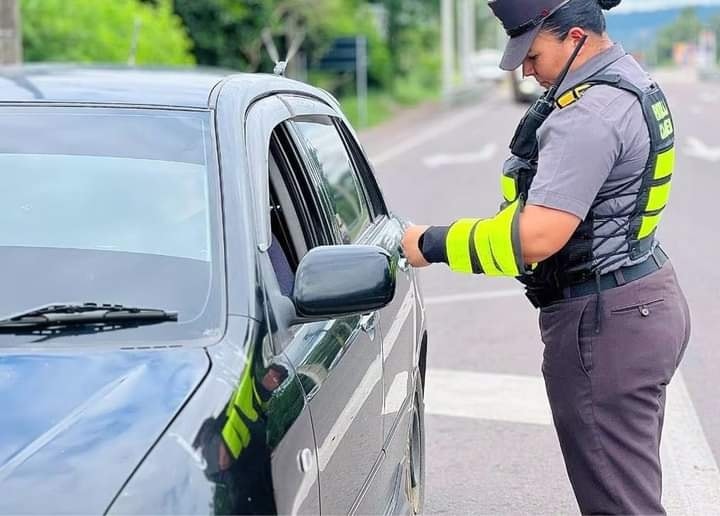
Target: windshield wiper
x,y
57,317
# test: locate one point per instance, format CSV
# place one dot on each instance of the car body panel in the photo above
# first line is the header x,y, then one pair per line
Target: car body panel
x,y
306,419
192,471
76,424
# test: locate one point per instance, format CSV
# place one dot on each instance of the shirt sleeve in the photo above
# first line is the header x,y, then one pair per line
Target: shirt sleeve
x,y
578,148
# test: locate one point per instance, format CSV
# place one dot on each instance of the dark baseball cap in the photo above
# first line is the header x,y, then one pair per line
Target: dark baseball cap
x,y
522,20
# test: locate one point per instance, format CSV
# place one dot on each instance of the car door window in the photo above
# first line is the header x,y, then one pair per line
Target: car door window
x,y
337,179
364,171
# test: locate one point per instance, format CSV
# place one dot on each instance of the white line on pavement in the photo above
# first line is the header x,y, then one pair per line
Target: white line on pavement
x,y
496,397
477,296
431,133
692,478
469,158
699,149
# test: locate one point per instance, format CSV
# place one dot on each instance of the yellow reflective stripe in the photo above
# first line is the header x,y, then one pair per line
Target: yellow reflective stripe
x,y
571,96
649,223
244,394
658,197
236,434
509,188
566,99
457,245
501,242
665,164
581,89
484,249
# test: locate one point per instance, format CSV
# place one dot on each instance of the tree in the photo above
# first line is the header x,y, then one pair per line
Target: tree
x,y
10,49
684,29
413,36
228,33
115,32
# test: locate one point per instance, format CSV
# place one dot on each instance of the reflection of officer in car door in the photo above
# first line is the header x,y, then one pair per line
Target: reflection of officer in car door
x,y
234,446
584,191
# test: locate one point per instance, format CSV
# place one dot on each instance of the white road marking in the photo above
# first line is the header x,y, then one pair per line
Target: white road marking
x,y
441,160
698,149
709,97
687,457
431,133
476,296
692,477
496,397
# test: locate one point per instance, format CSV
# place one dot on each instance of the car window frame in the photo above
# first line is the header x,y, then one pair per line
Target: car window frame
x,y
287,159
317,177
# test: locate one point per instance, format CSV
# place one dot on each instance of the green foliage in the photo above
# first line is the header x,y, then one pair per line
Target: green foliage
x,y
685,29
103,31
413,42
228,33
714,24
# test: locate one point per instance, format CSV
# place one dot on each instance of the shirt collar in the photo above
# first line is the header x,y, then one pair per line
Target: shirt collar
x,y
591,67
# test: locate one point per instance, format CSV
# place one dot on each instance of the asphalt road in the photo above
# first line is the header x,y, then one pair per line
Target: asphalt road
x,y
490,446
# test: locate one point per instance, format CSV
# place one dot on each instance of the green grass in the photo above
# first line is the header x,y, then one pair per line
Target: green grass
x,y
380,105
383,105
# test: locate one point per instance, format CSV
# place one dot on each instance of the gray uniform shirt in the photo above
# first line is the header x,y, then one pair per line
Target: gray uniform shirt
x,y
592,148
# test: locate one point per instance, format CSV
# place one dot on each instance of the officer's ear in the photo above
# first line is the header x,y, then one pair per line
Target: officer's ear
x,y
576,34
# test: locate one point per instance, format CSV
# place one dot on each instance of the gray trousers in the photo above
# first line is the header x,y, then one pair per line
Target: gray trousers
x,y
607,389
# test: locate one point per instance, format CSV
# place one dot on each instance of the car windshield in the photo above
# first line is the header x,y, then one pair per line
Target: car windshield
x,y
110,205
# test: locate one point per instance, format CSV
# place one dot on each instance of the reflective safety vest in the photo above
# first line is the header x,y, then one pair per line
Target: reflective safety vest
x,y
576,261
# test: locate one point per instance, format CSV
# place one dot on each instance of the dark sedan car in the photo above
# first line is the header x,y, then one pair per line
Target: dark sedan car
x,y
205,306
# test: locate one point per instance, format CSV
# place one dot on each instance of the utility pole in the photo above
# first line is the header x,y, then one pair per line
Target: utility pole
x,y
448,47
10,33
467,34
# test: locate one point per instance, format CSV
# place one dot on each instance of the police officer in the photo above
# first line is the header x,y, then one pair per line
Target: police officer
x,y
584,191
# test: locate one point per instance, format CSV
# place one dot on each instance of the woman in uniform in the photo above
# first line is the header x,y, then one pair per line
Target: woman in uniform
x,y
584,193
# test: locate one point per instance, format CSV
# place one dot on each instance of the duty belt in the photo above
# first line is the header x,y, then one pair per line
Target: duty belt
x,y
622,276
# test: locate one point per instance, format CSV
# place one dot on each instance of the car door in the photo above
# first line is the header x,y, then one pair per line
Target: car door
x,y
358,215
339,362
245,155
400,320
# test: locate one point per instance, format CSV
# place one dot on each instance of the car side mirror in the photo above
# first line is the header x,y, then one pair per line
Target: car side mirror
x,y
336,281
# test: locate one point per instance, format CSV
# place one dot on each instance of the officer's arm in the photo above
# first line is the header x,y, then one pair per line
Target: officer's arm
x,y
504,245
544,231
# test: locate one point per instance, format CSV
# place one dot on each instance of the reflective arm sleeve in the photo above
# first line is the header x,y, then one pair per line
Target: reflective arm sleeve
x,y
479,246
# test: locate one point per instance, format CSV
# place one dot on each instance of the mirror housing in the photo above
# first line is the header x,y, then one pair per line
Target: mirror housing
x,y
336,281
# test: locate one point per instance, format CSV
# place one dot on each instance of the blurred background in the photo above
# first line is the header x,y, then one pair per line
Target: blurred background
x,y
377,56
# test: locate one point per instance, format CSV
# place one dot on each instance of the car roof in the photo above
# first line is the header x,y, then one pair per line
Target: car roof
x,y
188,88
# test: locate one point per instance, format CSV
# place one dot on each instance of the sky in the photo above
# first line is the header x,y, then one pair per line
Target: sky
x,y
650,5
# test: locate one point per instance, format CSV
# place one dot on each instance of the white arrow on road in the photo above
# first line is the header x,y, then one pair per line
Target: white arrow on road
x,y
440,160
698,149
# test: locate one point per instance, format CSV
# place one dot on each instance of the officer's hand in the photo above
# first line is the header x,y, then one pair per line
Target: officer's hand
x,y
411,248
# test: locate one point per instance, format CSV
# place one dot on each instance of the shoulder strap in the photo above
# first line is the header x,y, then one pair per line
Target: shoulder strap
x,y
576,92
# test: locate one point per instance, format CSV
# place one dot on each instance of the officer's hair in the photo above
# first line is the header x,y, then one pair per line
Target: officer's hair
x,y
586,14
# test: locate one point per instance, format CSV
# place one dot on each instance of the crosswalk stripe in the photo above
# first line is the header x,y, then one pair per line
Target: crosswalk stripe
x,y
474,296
692,478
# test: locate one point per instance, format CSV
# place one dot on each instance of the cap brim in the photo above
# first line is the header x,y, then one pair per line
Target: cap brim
x,y
517,49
